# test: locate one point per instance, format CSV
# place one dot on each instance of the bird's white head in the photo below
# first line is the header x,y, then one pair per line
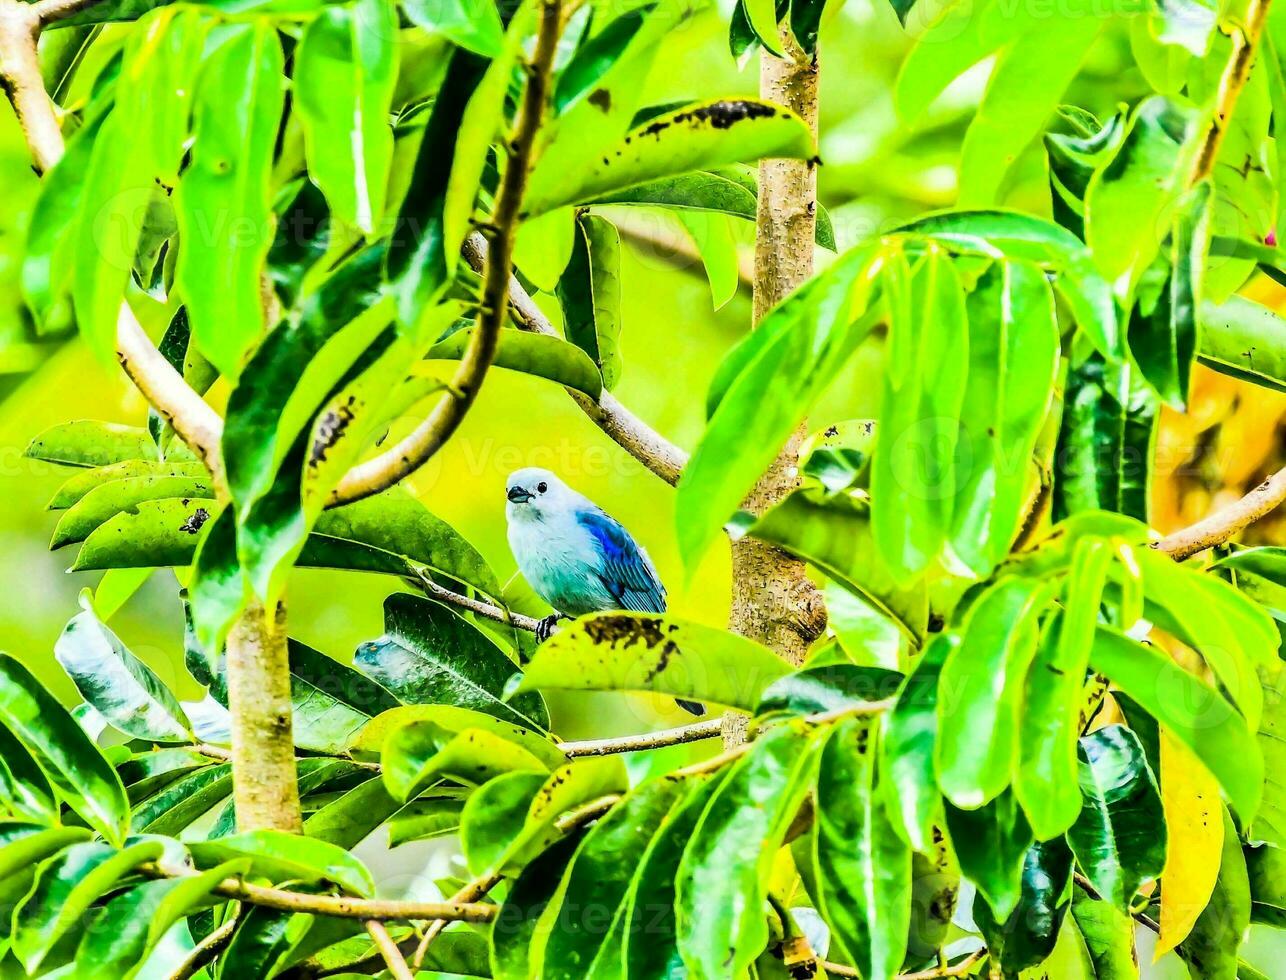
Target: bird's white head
x,y
535,495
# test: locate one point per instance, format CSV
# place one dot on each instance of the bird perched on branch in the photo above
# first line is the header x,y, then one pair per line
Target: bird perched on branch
x,y
577,558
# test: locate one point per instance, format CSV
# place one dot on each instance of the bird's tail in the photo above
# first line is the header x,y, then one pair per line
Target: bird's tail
x,y
692,707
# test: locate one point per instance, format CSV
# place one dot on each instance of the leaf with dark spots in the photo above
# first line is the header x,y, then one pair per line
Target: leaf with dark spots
x,y
194,523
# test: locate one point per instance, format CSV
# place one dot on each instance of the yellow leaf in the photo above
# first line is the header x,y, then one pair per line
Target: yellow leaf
x,y
1194,841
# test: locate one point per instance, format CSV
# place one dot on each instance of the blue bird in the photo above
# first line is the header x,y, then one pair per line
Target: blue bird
x,y
577,558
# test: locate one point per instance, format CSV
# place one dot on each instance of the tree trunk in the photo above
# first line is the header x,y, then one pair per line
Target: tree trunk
x,y
773,601
265,790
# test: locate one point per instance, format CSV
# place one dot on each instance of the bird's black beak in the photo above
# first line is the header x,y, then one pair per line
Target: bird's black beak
x,y
518,495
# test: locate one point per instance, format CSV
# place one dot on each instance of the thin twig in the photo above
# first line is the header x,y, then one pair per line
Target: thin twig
x,y
1231,82
337,906
644,741
474,891
1224,524
621,425
1140,917
388,949
412,452
213,751
959,970
485,609
207,949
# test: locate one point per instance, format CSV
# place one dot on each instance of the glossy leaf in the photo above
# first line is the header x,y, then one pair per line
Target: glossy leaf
x,y
829,687
418,755
425,819
795,352
1119,838
447,719
91,443
66,886
601,877
73,763
748,814
908,772
469,23
1238,338
280,856
658,653
1106,440
522,923
1210,949
179,804
590,294
1013,358
912,475
429,654
1109,937
107,500
345,70
123,688
977,744
1196,715
864,865
226,191
698,137
991,844
24,788
531,353
1028,936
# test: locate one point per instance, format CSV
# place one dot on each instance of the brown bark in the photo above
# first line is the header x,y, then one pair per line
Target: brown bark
x,y
265,789
773,600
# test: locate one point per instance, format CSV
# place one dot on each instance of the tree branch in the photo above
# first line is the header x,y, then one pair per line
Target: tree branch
x,y
414,451
196,423
206,950
1231,82
642,742
1224,524
621,425
336,906
388,949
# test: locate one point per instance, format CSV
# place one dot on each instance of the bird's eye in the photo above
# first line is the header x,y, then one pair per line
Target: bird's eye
x,y
542,487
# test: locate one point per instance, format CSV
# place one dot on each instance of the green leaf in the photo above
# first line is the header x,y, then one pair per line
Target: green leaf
x,y
302,240
1163,324
83,482
156,83
716,243
729,858
1188,23
280,856
25,845
908,775
795,352
107,500
117,942
1026,83
82,776
1013,359
91,443
1028,936
596,56
536,354
226,191
1010,234
977,744
834,533
522,922
119,685
1266,869
543,247
429,654
218,588
658,653
864,865
173,808
420,753
1211,948
24,787
425,819
761,15
1106,441
263,937
1119,838
912,476
445,720
590,294
66,886
829,687
1045,779
345,70
991,844
1194,713
472,24
1269,823
1127,199
1109,937
698,137
602,876
1239,337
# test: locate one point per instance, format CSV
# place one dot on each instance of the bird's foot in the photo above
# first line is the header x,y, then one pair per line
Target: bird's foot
x,y
545,627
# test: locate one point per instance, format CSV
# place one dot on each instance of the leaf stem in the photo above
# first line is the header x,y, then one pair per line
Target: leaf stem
x,y
414,451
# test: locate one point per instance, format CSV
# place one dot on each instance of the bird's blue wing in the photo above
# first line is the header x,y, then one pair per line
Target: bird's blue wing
x,y
627,572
